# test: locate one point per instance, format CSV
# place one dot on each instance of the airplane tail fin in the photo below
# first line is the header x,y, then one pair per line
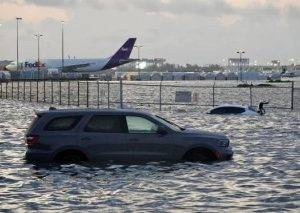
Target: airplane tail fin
x,y
122,55
125,51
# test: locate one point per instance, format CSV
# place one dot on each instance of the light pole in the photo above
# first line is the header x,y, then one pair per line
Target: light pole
x,y
38,46
18,20
224,62
62,49
138,49
291,62
240,52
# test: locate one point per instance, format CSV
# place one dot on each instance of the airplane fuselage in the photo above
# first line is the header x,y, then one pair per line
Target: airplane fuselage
x,y
78,65
94,65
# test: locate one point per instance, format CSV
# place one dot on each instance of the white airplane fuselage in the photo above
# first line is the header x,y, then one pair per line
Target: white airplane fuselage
x,y
78,65
94,65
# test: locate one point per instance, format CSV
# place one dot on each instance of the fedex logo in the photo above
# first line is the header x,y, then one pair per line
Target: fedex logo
x,y
33,65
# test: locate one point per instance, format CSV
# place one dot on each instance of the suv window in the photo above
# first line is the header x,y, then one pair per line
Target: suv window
x,y
228,110
106,124
137,124
33,122
234,110
217,111
63,123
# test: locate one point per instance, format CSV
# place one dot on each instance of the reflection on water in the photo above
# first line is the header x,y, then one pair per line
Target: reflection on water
x,y
263,176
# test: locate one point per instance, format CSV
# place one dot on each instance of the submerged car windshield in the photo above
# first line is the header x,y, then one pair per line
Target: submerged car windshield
x,y
169,124
252,108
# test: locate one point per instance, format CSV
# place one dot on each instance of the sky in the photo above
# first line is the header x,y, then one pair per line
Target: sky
x,y
182,31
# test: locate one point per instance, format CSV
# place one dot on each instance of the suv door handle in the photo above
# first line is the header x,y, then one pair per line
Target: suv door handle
x,y
85,139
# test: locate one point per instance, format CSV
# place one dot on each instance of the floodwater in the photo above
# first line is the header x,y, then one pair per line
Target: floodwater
x,y
263,176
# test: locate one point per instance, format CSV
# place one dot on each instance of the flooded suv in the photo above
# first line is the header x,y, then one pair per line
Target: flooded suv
x,y
118,135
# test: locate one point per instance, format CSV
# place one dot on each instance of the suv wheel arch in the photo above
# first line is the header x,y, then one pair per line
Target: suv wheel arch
x,y
199,154
70,156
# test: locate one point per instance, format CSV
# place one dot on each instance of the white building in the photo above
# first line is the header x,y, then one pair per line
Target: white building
x,y
178,76
231,76
238,64
210,76
253,75
167,76
145,76
157,76
220,76
191,76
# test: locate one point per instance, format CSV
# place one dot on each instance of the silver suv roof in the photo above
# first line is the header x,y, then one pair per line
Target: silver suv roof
x,y
105,111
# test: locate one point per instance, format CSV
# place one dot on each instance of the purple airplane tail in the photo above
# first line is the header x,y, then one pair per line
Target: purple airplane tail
x,y
122,55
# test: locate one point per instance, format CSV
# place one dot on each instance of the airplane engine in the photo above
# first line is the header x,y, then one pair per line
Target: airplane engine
x,y
13,67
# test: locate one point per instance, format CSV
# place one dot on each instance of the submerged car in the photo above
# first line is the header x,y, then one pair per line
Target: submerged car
x,y
233,109
118,135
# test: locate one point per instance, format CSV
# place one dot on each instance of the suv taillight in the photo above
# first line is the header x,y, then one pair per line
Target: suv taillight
x,y
31,139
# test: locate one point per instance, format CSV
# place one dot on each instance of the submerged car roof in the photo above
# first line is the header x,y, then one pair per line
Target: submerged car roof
x,y
231,105
83,111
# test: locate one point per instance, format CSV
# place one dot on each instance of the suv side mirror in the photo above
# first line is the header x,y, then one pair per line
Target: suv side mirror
x,y
162,130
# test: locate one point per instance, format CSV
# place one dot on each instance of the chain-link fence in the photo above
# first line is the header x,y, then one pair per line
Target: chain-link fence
x,y
161,95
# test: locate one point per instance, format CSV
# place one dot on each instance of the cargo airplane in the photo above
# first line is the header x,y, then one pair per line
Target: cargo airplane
x,y
79,65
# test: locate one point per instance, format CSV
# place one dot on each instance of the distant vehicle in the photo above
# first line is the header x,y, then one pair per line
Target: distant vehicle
x,y
79,65
118,135
233,109
291,73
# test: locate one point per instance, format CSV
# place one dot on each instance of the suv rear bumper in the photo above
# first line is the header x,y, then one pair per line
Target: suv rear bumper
x,y
38,156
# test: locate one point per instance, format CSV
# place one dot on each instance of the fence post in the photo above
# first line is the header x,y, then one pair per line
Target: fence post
x,y
37,91
44,90
78,93
59,91
1,89
68,93
251,99
214,94
160,95
30,91
108,94
121,93
6,90
292,95
18,85
87,94
52,92
98,94
12,90
24,90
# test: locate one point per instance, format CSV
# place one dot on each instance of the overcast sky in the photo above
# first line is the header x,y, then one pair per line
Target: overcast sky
x,y
182,31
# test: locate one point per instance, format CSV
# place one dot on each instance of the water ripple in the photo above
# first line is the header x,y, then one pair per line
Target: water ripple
x,y
263,176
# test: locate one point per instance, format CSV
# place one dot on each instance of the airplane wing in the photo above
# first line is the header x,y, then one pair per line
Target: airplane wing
x,y
71,68
5,62
129,60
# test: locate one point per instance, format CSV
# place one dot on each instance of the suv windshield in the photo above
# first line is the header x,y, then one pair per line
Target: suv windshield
x,y
169,124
